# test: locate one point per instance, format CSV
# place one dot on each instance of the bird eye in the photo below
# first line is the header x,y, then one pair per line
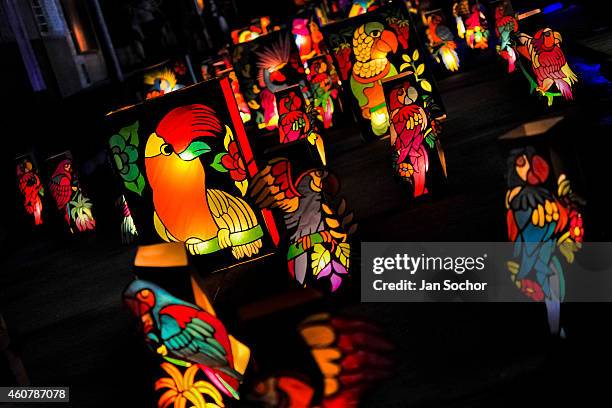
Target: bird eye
x,y
520,161
166,149
145,293
375,33
400,91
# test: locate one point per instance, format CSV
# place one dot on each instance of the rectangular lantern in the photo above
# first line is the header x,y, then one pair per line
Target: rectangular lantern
x,y
68,195
417,154
259,26
324,84
440,40
371,47
166,77
264,66
30,187
186,165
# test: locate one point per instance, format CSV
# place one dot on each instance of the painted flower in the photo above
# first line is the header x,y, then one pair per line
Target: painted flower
x,y
532,289
81,212
180,68
405,170
184,389
124,151
233,162
576,227
334,270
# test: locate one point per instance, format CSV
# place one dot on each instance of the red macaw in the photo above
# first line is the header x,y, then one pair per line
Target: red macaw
x,y
294,124
32,190
61,186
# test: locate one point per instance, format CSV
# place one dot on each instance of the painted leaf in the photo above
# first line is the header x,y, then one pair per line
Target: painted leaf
x,y
242,186
343,253
406,58
217,165
326,209
420,69
130,133
137,185
332,222
404,66
320,258
415,55
425,85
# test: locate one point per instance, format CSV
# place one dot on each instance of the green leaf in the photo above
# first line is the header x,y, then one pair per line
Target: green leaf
x,y
137,185
217,165
130,133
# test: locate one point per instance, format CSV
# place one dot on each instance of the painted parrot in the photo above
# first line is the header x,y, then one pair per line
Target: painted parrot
x,y
410,128
294,124
205,219
371,44
312,224
540,221
161,83
505,26
184,334
324,91
32,190
441,43
548,61
476,33
61,187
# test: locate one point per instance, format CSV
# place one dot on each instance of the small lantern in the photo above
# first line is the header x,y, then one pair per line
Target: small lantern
x,y
472,23
417,154
308,37
68,195
186,165
264,66
258,27
167,77
369,48
30,187
440,41
324,83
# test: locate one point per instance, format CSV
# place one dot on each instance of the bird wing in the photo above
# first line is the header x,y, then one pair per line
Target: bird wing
x,y
230,212
551,63
569,75
273,187
444,33
61,190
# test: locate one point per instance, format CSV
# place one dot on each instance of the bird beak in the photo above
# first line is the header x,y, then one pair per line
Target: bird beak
x,y
386,43
194,150
557,36
154,144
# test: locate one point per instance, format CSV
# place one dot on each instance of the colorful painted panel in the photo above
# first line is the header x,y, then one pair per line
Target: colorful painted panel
x,y
505,25
441,41
69,197
545,223
30,187
188,336
166,77
323,80
265,66
319,227
308,37
258,27
371,47
418,158
472,23
192,163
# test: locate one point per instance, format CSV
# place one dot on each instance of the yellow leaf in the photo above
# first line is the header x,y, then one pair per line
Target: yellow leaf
x,y
332,222
343,253
327,209
229,136
420,69
425,85
404,66
320,258
318,336
406,58
415,55
242,186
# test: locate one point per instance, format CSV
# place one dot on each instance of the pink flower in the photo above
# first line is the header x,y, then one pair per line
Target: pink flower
x,y
334,270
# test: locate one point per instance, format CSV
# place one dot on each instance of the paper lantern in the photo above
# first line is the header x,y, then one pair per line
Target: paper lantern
x,y
318,230
308,37
505,25
265,66
324,83
371,47
440,41
30,187
258,27
295,118
187,335
69,197
166,77
418,157
472,23
186,164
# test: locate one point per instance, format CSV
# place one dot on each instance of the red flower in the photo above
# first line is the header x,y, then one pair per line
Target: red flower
x,y
233,162
576,228
343,55
532,289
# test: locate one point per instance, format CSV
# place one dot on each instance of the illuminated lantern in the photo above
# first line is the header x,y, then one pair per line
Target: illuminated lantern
x,y
418,157
440,41
223,66
505,25
68,195
323,80
167,77
543,214
264,66
191,149
319,232
30,187
308,37
258,27
360,7
472,23
548,64
370,48
187,336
